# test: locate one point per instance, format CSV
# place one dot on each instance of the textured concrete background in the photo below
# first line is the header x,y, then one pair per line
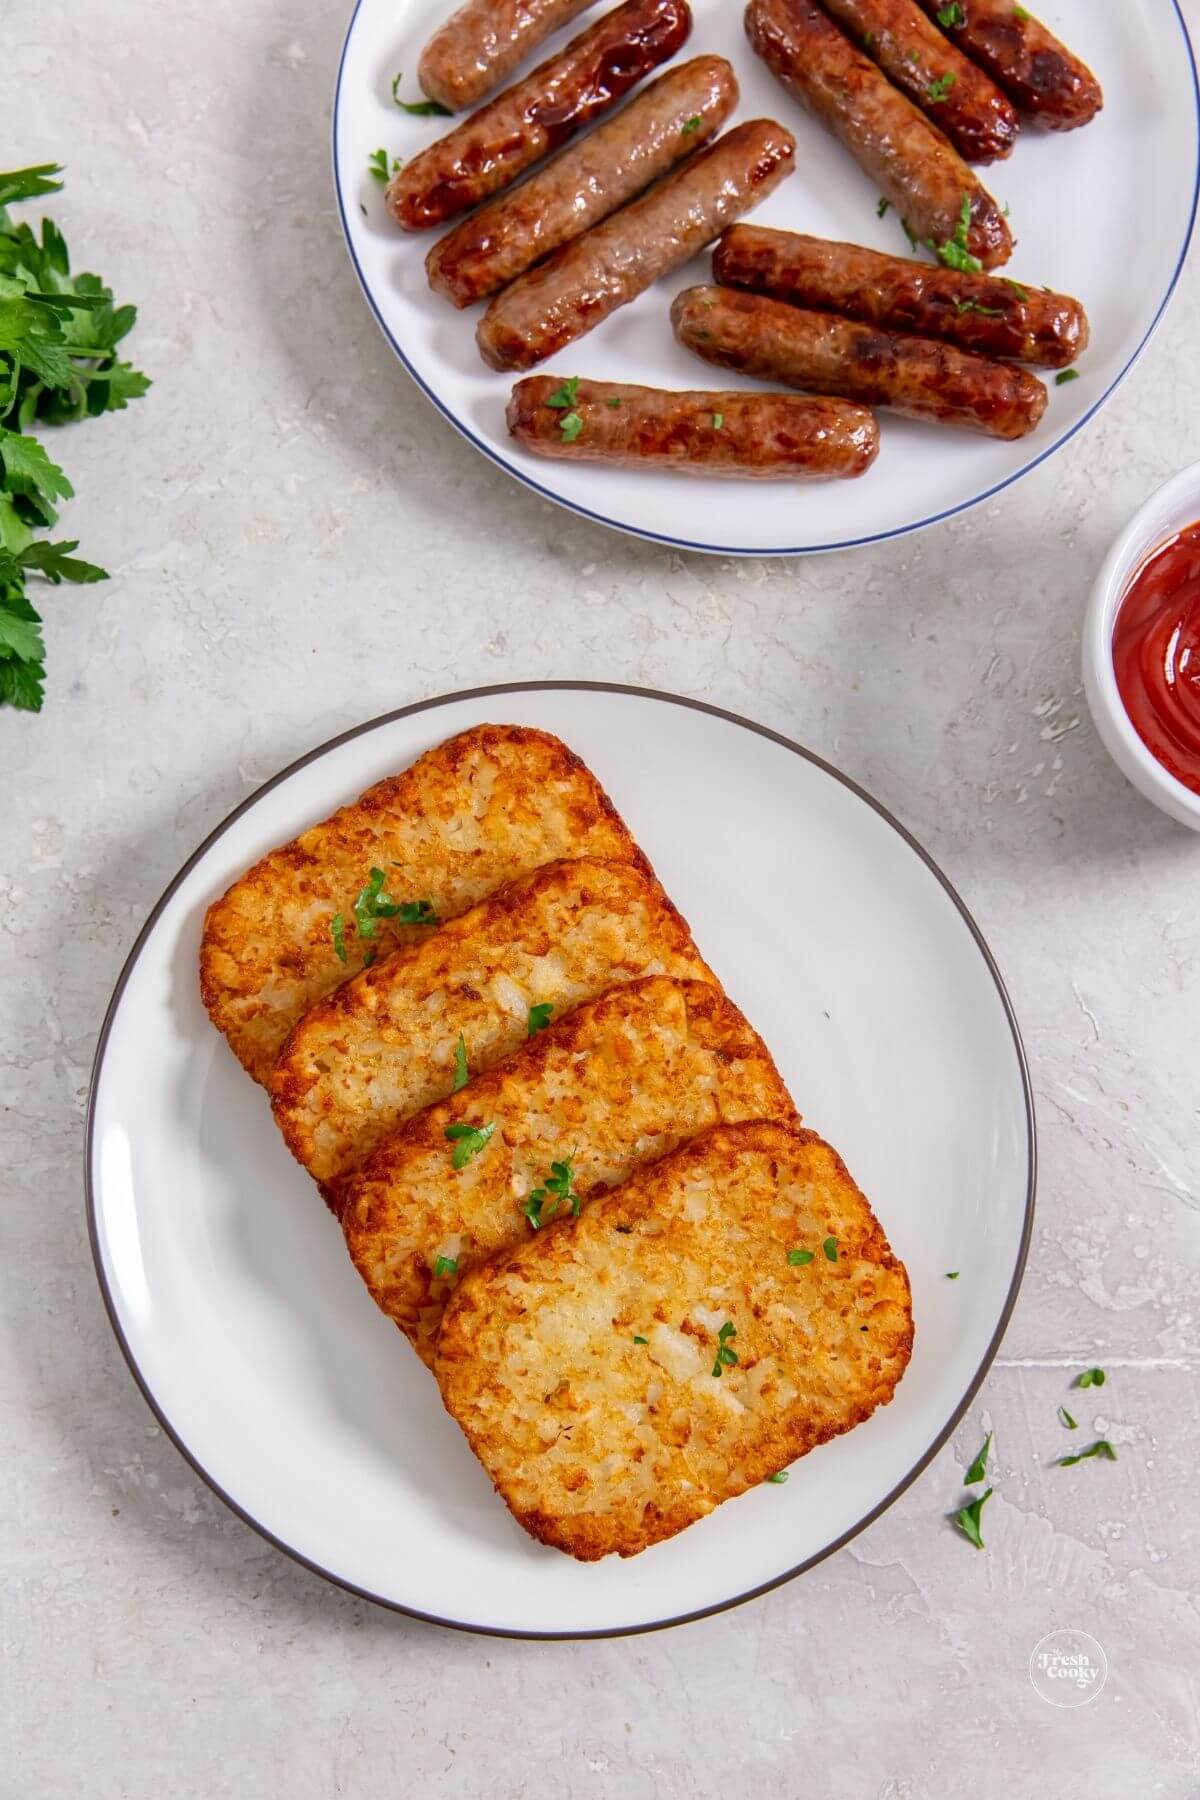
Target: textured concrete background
x,y
297,543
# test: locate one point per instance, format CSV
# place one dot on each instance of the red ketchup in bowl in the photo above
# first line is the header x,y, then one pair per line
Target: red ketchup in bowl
x,y
1156,655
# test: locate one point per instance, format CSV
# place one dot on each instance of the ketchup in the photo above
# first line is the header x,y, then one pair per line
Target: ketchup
x,y
1156,655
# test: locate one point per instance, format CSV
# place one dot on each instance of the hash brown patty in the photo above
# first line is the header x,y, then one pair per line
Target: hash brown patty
x,y
621,1374
468,816
620,1082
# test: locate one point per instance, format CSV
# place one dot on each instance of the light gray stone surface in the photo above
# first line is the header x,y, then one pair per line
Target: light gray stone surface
x,y
297,542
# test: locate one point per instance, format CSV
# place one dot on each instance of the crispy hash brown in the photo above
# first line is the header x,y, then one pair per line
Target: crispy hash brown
x,y
620,1082
600,1442
383,1046
468,816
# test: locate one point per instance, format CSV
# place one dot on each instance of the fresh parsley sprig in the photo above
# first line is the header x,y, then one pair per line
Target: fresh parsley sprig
x,y
559,1190
418,109
967,1519
58,363
468,1141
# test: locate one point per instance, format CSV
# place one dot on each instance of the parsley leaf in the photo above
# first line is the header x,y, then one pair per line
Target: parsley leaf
x,y
570,425
419,109
1070,1423
640,1340
692,124
468,1141
882,208
950,16
1091,1378
445,1265
988,312
1018,290
56,563
377,165
799,1258
830,1247
1101,1447
1065,375
373,904
952,1275
718,421
779,1477
559,1190
1020,14
29,184
564,396
978,1469
539,1017
726,1355
613,400
954,253
28,470
337,930
968,1519
937,90
462,1073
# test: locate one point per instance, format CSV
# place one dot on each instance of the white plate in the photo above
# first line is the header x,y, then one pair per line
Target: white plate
x,y
1104,213
258,1346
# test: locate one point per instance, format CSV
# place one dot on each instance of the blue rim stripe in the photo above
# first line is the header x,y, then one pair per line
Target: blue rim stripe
x,y
674,543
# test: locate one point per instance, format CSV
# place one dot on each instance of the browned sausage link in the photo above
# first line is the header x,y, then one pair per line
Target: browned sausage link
x,y
582,283
566,92
904,154
1028,61
913,376
757,437
672,117
985,313
961,100
481,44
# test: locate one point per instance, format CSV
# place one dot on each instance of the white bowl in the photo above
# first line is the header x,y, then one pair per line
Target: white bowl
x,y
1167,511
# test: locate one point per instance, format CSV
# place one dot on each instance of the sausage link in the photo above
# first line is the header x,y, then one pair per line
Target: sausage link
x,y
755,437
1027,61
582,283
985,313
913,376
562,95
481,44
914,166
962,101
672,117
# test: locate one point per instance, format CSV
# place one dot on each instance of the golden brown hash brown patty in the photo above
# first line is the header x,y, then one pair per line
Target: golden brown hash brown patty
x,y
475,812
383,1046
620,1082
601,1443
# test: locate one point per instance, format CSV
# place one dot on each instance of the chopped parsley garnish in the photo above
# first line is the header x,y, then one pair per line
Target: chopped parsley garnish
x,y
882,208
950,16
968,1519
1018,290
337,931
377,163
420,109
954,252
564,397
539,1017
868,40
1091,1378
830,1248
799,1258
570,425
468,1141
1070,1423
613,400
445,1265
1065,375
718,421
559,1190
726,1354
1020,15
978,1469
780,1477
692,124
462,1073
937,90
951,1274
989,312
640,1340
1101,1447
373,904
913,240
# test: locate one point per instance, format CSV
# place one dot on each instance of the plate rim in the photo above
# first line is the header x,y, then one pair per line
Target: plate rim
x,y
677,543
90,1185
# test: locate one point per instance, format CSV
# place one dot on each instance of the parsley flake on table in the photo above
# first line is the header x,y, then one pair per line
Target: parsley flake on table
x,y
58,364
799,1258
830,1247
726,1354
337,931
468,1141
539,1017
967,1519
1070,1423
462,1073
882,208
419,109
570,425
978,1469
445,1265
1090,1378
559,1190
564,397
937,90
1101,1447
952,1274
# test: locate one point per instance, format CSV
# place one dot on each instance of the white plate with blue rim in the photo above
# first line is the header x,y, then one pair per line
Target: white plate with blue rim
x,y
1104,213
259,1348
